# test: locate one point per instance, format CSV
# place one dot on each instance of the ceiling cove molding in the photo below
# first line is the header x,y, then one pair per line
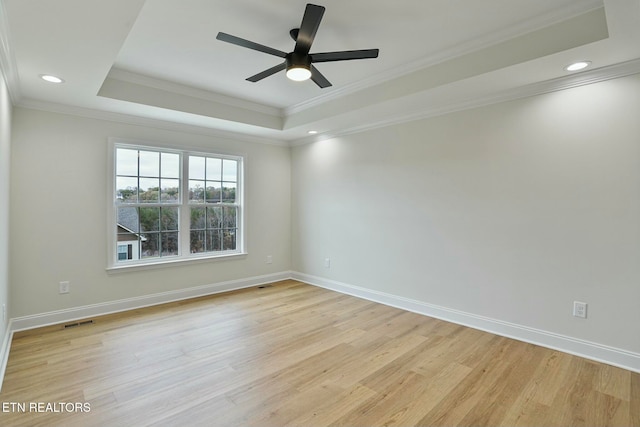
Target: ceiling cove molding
x,y
581,79
7,60
152,82
585,78
145,121
489,40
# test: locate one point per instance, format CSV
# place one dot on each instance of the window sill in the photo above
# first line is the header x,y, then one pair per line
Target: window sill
x,y
117,269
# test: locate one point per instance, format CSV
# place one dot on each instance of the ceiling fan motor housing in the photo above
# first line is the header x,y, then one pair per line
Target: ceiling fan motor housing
x,y
297,60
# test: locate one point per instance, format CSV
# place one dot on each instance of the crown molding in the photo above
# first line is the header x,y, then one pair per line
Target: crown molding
x,y
145,121
568,82
581,79
8,67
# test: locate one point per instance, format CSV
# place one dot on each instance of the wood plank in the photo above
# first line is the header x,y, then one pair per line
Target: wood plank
x,y
634,407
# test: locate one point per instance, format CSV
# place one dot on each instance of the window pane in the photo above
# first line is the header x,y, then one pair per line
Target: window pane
x,y
229,240
150,242
149,190
197,241
126,162
214,169
214,217
229,215
198,218
169,219
170,165
213,192
229,192
196,191
149,219
169,244
213,240
170,190
149,163
127,222
196,167
126,190
230,170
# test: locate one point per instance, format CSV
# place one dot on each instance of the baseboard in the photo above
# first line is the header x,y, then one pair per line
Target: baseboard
x,y
4,351
589,350
87,311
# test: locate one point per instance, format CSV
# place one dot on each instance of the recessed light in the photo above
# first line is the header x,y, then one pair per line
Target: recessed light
x,y
51,79
577,66
312,132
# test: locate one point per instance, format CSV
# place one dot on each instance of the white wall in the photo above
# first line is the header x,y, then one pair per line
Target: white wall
x,y
5,157
511,211
59,213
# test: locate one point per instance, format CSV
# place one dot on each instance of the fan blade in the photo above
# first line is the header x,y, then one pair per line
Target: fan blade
x,y
345,55
267,73
249,44
308,28
318,78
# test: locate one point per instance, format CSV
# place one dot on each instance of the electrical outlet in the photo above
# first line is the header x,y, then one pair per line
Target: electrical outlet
x,y
269,259
65,287
327,263
580,309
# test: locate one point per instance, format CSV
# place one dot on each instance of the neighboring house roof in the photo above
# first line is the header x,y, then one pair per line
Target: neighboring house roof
x,y
128,219
128,222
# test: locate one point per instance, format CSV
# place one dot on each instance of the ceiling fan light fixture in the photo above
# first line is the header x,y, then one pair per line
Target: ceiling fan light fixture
x,y
298,63
298,67
298,73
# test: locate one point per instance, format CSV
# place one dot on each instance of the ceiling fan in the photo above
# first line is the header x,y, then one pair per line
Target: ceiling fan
x,y
299,63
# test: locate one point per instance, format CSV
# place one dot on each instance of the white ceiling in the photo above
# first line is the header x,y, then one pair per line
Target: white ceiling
x,y
159,59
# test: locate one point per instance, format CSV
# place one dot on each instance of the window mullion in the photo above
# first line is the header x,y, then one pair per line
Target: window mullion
x,y
185,213
138,180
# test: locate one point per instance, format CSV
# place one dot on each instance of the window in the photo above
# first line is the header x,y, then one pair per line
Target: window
x,y
213,186
125,252
172,205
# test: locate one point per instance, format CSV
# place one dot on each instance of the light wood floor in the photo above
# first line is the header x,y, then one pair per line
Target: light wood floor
x,y
293,354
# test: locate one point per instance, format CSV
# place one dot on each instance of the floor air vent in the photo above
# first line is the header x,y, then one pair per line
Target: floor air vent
x,y
82,323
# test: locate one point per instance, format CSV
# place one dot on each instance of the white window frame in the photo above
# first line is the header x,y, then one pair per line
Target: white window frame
x,y
184,255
